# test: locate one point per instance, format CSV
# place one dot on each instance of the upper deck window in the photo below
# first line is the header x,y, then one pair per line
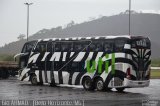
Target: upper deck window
x,y
66,46
108,46
96,46
80,46
119,45
62,46
41,47
57,47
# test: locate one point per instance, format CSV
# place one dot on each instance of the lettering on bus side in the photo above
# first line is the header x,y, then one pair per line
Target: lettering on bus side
x,y
91,65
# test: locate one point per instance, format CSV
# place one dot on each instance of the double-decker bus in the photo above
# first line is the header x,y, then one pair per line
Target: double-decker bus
x,y
100,63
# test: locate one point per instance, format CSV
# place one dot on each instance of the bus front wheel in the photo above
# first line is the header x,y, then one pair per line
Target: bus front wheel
x,y
34,80
88,84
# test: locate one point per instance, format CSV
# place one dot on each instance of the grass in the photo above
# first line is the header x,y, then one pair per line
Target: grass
x,y
155,62
6,57
155,74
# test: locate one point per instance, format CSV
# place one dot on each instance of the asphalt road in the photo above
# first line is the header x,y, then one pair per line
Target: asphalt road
x,y
12,89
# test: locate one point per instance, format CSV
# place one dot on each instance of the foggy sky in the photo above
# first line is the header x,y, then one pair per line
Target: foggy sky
x,y
53,13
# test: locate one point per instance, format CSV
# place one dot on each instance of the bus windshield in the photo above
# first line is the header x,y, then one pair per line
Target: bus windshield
x,y
28,46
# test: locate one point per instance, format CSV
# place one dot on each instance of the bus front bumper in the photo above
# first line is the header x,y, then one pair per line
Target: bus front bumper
x,y
135,84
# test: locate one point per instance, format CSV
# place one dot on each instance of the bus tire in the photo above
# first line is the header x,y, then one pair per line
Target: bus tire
x,y
88,84
99,84
34,79
120,89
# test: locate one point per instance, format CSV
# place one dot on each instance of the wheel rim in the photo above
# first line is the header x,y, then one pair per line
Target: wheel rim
x,y
87,84
99,85
34,80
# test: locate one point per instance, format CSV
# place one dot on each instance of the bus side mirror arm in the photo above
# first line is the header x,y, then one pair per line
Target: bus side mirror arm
x,y
19,54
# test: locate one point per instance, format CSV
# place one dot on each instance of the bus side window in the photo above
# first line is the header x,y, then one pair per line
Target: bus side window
x,y
80,46
108,46
63,47
70,47
77,47
119,45
92,47
66,46
49,46
57,47
99,47
85,46
41,47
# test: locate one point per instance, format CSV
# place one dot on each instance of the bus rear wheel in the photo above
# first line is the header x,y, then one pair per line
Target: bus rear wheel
x,y
88,84
120,89
99,84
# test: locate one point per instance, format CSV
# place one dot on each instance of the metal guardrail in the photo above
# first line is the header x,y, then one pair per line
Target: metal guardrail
x,y
8,64
155,68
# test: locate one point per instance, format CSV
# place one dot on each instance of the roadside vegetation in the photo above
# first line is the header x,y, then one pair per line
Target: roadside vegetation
x,y
155,62
6,57
155,74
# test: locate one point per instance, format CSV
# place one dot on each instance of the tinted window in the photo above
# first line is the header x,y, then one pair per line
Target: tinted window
x,y
63,47
99,47
80,46
41,47
28,47
57,47
92,47
96,46
108,46
66,46
49,46
119,45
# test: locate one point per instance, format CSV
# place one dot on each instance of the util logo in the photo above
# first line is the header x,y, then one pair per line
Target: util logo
x,y
92,64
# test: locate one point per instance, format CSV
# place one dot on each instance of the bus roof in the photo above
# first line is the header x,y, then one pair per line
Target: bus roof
x,y
94,37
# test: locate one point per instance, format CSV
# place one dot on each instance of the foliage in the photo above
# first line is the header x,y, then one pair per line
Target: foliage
x,y
21,37
155,73
70,24
155,63
5,57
